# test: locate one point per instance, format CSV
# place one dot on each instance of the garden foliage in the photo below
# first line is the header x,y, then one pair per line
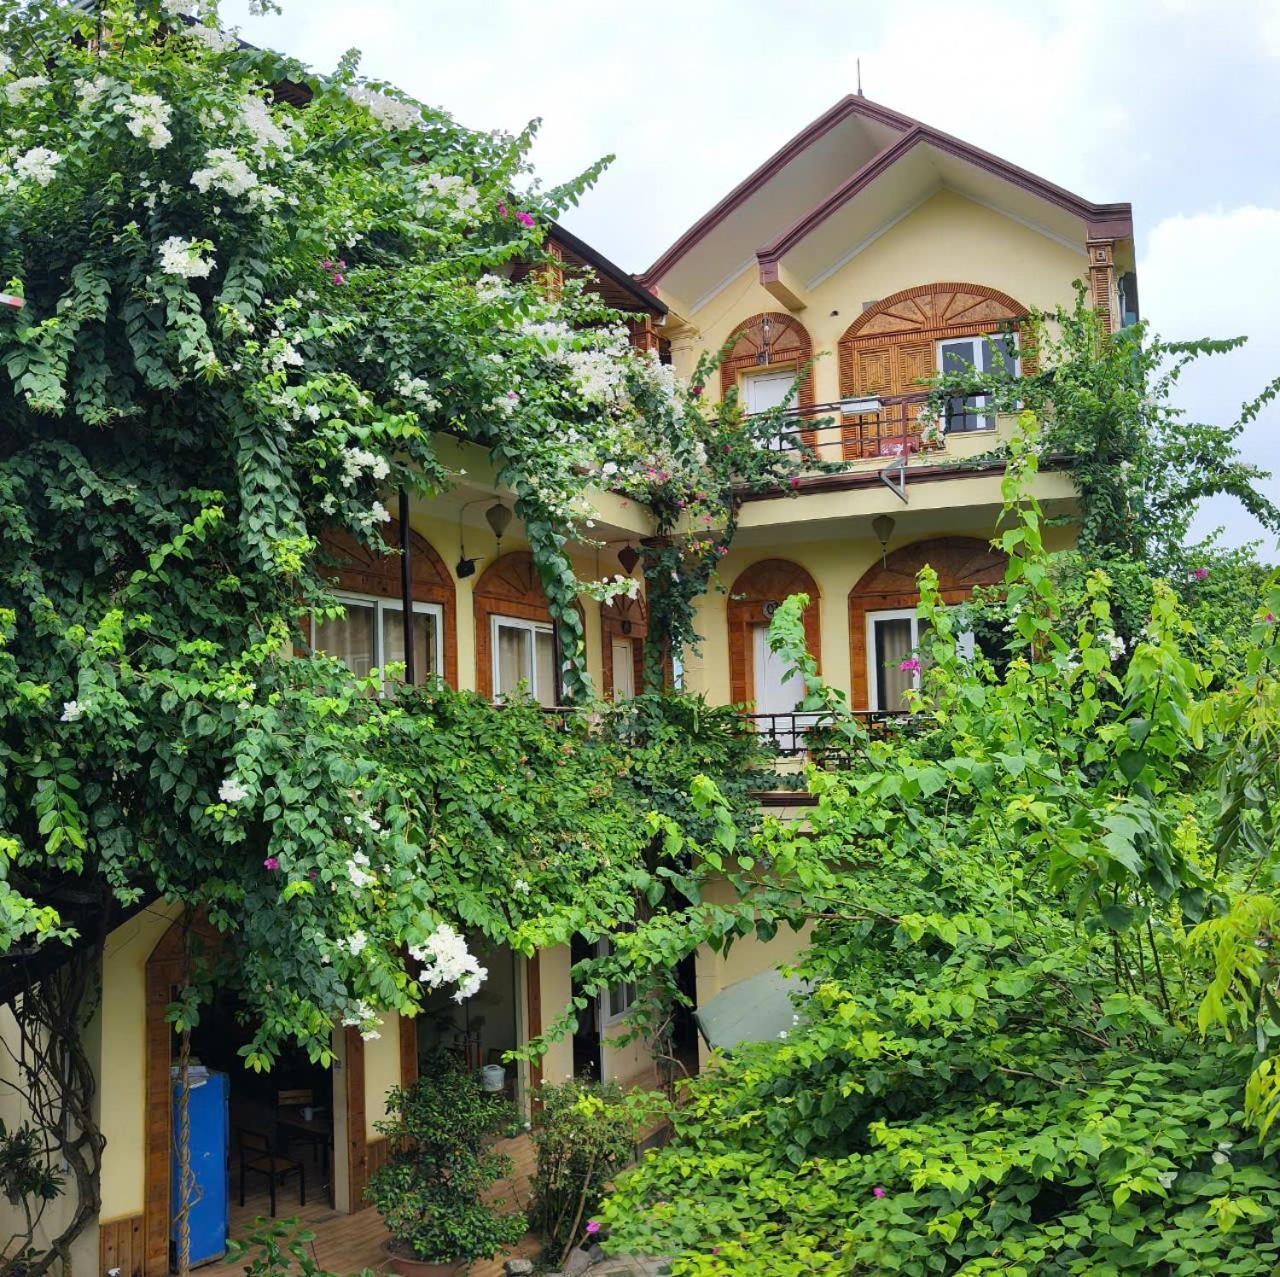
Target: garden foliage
x,y
1043,1026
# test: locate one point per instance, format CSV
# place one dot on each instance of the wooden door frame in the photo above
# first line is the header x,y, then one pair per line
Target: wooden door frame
x,y
163,971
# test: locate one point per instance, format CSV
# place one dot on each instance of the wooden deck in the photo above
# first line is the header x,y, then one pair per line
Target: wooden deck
x,y
349,1243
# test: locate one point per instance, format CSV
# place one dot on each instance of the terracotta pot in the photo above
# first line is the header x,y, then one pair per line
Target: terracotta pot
x,y
407,1266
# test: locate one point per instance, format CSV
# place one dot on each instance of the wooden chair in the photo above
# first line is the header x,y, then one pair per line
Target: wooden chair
x,y
298,1098
257,1158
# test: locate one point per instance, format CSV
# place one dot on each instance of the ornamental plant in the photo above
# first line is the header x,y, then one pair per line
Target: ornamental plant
x,y
433,1191
255,296
1041,1037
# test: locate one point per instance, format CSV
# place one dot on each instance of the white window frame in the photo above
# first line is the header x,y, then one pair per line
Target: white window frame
x,y
964,645
976,345
381,605
611,1019
518,623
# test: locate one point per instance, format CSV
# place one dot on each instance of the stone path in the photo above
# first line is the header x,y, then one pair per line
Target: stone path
x,y
583,1263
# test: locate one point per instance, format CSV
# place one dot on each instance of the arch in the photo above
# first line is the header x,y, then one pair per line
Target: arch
x,y
623,618
890,347
962,563
782,341
751,600
361,570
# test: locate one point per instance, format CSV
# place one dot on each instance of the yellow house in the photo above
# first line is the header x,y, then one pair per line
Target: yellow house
x,y
871,247
873,250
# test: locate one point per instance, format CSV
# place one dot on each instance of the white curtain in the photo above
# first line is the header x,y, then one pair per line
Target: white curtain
x,y
350,638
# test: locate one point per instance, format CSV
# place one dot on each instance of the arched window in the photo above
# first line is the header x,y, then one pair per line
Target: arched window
x,y
883,627
624,624
768,351
915,334
372,633
515,638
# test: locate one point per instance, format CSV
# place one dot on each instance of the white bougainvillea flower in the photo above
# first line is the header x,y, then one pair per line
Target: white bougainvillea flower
x,y
148,119
71,710
18,89
446,960
184,257
232,791
38,165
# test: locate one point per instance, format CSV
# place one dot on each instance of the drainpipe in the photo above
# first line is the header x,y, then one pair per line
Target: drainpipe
x,y
406,589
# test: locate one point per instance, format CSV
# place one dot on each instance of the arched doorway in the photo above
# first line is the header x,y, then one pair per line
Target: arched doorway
x,y
882,607
758,675
624,625
911,335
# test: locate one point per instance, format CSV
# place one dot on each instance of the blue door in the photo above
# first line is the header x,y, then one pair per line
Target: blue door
x,y
207,1111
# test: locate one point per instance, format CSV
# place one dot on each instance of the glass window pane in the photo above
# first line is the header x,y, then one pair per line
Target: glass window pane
x,y
1004,355
424,640
964,358
546,672
512,659
892,647
350,638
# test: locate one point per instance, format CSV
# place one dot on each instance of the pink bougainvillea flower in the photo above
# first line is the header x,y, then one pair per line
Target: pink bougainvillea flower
x,y
1271,618
795,481
502,210
910,665
525,219
341,264
1197,574
271,863
327,264
877,1191
715,1250
695,391
593,1227
339,279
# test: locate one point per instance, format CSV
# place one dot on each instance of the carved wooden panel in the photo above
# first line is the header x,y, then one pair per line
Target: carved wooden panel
x,y
767,582
962,563
357,1136
358,569
898,335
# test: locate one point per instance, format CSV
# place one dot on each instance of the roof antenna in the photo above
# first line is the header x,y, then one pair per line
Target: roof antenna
x,y
858,62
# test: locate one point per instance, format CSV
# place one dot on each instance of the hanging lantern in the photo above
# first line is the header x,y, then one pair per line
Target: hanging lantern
x,y
882,525
498,518
628,556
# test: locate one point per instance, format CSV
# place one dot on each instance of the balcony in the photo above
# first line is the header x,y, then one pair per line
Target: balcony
x,y
800,737
885,427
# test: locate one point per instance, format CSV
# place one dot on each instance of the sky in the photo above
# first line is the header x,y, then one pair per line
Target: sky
x,y
1173,105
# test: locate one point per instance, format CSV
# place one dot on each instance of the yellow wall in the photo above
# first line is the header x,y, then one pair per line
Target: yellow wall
x,y
553,973
381,1071
947,239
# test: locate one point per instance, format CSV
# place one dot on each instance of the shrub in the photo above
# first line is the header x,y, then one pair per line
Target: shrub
x,y
431,1192
584,1134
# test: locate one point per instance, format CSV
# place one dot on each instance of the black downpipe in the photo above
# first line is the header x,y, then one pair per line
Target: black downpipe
x,y
406,589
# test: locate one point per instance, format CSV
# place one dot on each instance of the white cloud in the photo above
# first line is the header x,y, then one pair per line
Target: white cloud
x,y
1212,274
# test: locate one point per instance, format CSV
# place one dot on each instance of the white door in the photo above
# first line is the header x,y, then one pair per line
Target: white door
x,y
764,390
624,670
777,693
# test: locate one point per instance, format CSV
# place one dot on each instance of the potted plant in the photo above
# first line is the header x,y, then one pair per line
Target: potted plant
x,y
431,1191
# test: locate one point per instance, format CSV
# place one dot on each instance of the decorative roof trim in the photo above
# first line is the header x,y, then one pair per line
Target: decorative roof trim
x,y
1103,221
848,106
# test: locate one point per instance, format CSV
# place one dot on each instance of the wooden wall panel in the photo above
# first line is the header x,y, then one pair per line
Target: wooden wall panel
x,y
357,1138
783,343
122,1246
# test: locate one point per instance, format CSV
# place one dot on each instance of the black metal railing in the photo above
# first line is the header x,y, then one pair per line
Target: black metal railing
x,y
814,736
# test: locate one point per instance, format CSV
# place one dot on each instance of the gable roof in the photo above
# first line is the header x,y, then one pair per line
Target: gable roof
x,y
904,136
